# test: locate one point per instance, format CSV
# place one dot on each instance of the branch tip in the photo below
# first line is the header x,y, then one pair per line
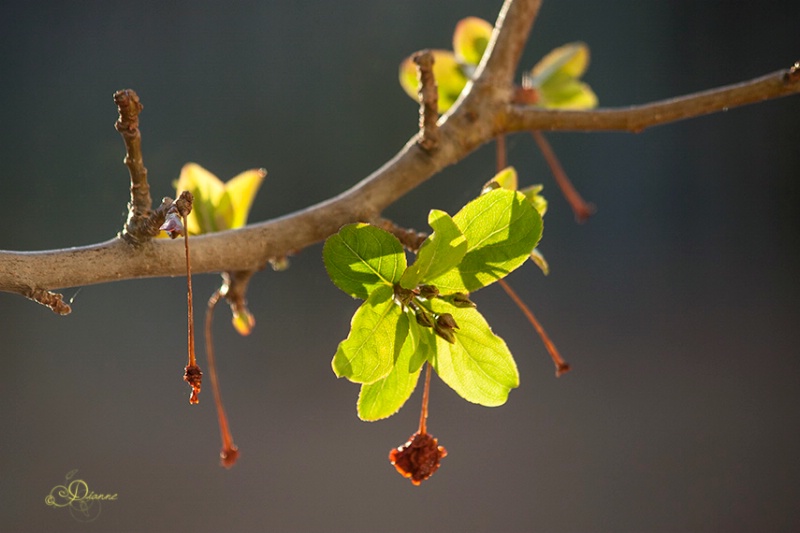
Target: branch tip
x,y
637,118
129,107
428,101
137,228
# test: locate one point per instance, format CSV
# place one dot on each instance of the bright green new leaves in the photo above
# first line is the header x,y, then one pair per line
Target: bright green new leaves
x,y
218,206
554,81
422,312
478,366
441,251
538,201
507,179
452,70
556,78
386,396
361,258
376,336
501,228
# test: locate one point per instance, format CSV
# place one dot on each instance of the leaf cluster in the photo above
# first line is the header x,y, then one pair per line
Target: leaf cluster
x,y
553,83
422,312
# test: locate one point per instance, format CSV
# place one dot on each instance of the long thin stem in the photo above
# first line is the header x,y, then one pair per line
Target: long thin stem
x,y
423,416
229,452
190,310
561,365
192,373
580,207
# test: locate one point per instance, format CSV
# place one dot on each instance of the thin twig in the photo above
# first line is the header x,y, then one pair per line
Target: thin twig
x,y
636,118
561,365
129,107
428,101
582,209
229,452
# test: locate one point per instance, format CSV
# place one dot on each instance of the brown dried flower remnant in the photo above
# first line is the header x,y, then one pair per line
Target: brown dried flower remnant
x,y
194,377
418,458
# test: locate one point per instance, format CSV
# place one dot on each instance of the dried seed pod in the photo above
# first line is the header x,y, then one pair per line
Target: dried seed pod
x,y
418,458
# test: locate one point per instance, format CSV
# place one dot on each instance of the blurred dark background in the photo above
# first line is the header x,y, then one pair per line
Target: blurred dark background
x,y
677,304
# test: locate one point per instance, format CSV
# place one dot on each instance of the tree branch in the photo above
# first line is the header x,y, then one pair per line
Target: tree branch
x,y
637,118
485,109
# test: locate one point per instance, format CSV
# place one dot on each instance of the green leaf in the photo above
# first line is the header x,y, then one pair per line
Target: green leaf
x,y
361,258
450,79
569,94
207,190
223,212
440,252
501,228
505,179
556,77
218,206
569,60
426,346
377,334
537,200
386,396
478,365
470,39
242,191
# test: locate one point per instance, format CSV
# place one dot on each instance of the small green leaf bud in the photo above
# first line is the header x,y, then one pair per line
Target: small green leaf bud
x,y
445,333
404,296
445,324
462,300
428,291
446,321
423,318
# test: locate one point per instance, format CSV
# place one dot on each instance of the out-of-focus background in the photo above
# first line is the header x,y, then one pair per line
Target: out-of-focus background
x,y
677,304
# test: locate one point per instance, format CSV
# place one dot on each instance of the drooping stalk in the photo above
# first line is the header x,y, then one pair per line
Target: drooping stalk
x,y
192,373
229,452
423,416
580,207
561,365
